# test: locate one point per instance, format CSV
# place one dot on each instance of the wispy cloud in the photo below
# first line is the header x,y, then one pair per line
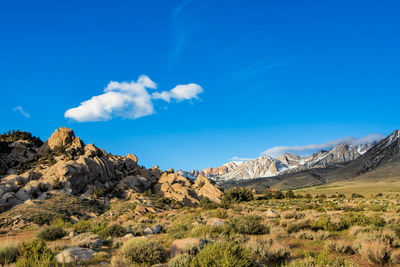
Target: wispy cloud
x,y
22,111
129,100
279,150
261,66
240,159
180,34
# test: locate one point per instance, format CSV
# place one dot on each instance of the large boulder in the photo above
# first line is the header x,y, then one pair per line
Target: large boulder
x,y
75,254
87,240
205,188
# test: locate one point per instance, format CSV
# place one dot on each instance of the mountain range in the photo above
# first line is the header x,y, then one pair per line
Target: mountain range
x,y
266,166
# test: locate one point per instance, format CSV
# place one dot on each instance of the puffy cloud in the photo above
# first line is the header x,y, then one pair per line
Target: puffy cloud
x,y
180,92
125,99
279,150
22,111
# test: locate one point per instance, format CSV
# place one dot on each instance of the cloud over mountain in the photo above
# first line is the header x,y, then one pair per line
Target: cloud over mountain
x,y
128,100
279,150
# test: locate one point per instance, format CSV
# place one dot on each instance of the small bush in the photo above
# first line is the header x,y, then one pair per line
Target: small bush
x,y
8,254
324,223
143,251
61,222
114,230
51,233
238,195
356,195
42,218
269,251
297,226
376,252
181,260
35,253
250,225
89,226
340,246
222,254
206,203
305,234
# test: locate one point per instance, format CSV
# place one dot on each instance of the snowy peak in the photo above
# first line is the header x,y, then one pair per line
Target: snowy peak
x,y
266,166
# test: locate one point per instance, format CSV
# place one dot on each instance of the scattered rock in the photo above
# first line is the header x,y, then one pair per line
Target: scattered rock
x,y
272,214
157,229
147,231
72,234
87,240
74,254
217,222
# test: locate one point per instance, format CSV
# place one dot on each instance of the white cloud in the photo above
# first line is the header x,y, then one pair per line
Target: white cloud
x,y
127,100
279,150
235,158
180,92
23,112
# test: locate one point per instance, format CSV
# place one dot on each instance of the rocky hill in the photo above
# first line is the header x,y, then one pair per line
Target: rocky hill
x,y
32,170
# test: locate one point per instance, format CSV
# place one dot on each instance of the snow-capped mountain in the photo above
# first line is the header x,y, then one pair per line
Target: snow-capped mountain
x,y
266,166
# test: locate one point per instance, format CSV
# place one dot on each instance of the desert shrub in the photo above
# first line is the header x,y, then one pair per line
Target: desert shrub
x,y
8,254
219,213
205,232
321,235
395,257
376,252
206,203
57,184
222,254
51,233
320,260
89,226
377,208
143,251
354,230
305,234
289,194
35,253
308,195
61,222
293,215
272,195
340,246
377,221
178,231
356,195
350,219
238,195
269,251
324,223
320,196
249,224
114,230
181,260
42,218
297,226
390,237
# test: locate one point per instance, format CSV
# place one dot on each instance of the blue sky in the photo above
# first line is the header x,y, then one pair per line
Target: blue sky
x,y
271,73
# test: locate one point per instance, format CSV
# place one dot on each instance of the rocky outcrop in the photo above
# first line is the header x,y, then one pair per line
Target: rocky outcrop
x,y
180,188
205,188
60,138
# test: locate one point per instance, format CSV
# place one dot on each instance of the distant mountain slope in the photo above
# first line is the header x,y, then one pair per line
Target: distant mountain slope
x,y
380,162
266,166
